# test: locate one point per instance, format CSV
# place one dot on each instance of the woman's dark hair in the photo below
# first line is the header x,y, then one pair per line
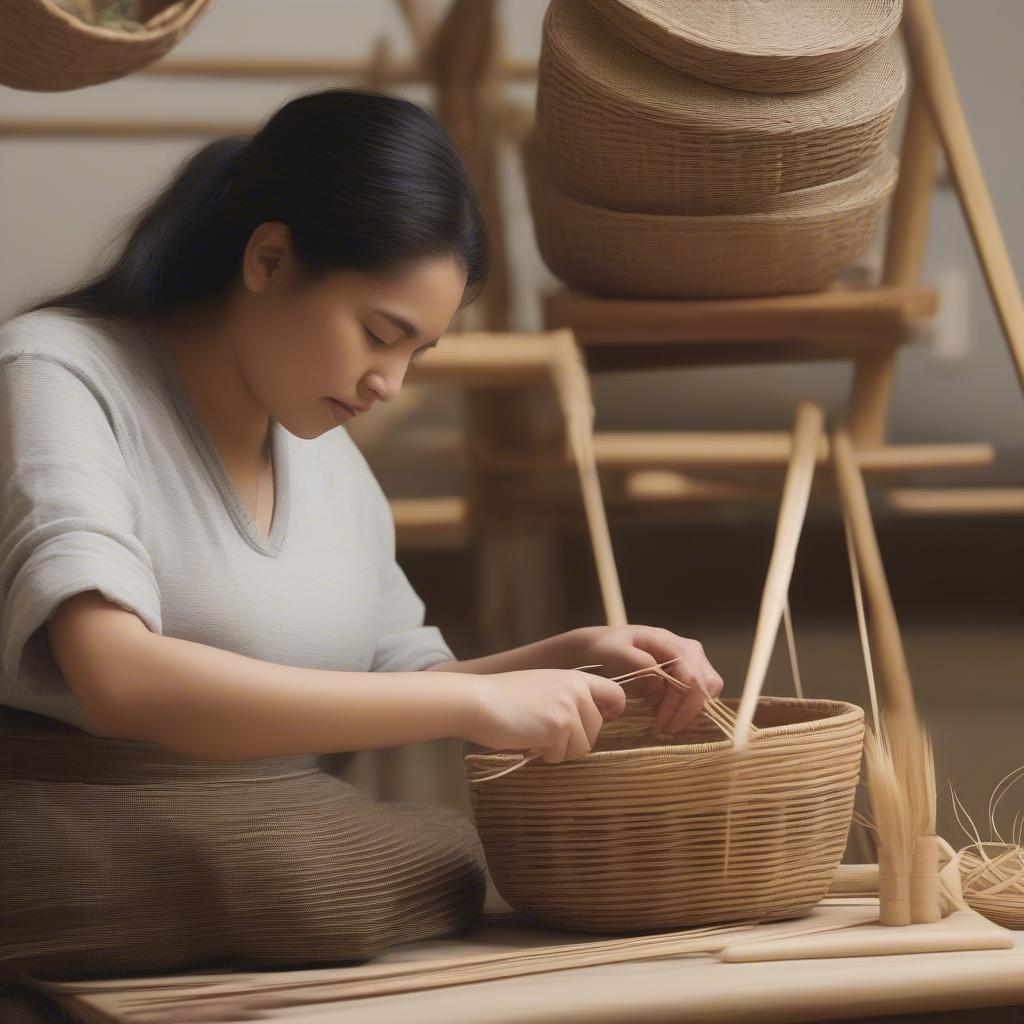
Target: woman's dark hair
x,y
364,181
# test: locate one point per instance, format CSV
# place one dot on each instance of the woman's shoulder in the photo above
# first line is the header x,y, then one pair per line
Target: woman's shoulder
x,y
353,474
85,345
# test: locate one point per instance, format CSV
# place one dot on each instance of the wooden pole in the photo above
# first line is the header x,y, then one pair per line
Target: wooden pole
x,y
905,243
573,387
807,431
886,642
934,77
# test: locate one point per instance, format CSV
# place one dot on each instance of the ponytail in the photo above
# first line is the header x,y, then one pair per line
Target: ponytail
x,y
363,181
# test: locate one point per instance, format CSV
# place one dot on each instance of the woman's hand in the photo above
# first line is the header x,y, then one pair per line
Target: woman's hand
x,y
559,711
620,649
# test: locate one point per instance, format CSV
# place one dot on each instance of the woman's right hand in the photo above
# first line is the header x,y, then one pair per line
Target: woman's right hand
x,y
559,711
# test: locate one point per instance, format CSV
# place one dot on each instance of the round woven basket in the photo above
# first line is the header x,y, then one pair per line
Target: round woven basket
x,y
46,49
629,133
782,46
799,245
669,832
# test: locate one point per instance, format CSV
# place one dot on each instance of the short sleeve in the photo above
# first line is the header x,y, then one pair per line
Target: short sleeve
x,y
404,643
68,513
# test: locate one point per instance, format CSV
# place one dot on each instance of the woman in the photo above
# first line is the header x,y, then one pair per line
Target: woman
x,y
197,572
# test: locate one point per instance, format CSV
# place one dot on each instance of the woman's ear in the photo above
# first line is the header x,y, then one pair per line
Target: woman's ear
x,y
269,259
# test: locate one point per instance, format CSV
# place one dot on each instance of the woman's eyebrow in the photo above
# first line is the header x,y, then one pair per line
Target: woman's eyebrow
x,y
404,325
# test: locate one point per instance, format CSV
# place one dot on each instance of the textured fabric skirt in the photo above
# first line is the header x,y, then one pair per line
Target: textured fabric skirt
x,y
118,856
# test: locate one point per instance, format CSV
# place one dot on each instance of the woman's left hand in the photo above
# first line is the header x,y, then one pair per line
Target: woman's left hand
x,y
621,649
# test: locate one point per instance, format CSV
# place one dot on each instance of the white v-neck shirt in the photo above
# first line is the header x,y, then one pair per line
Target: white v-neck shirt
x,y
110,481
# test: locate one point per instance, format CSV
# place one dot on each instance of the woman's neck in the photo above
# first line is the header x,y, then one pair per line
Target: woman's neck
x,y
205,357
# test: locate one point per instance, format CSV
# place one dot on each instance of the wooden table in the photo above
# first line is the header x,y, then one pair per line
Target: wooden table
x,y
976,987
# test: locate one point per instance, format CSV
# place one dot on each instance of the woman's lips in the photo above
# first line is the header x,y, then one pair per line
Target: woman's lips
x,y
340,411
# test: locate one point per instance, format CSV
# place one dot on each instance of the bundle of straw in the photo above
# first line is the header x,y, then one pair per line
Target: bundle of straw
x,y
992,872
901,783
248,996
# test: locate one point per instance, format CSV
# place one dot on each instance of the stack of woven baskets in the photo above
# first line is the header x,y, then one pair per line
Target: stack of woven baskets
x,y
686,151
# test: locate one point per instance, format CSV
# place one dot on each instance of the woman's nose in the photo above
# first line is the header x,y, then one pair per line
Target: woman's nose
x,y
387,383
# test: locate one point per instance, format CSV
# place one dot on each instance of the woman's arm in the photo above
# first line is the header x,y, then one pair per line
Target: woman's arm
x,y
210,703
565,650
619,649
134,684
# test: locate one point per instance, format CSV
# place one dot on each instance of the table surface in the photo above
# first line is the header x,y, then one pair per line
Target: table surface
x,y
692,988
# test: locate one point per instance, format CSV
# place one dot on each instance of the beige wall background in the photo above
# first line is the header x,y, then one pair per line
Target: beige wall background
x,y
65,198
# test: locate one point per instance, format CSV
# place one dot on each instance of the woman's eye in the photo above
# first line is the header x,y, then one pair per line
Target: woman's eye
x,y
374,340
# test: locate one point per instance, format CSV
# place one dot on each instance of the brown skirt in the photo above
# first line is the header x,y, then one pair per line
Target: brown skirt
x,y
118,857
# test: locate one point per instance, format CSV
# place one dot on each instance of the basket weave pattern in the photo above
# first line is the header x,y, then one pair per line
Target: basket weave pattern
x,y
798,245
46,49
628,133
674,832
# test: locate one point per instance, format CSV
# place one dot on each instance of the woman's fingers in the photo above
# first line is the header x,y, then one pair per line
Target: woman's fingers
x,y
592,720
688,709
600,698
571,743
606,694
670,703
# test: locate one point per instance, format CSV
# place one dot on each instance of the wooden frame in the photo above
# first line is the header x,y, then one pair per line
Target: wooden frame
x,y
867,325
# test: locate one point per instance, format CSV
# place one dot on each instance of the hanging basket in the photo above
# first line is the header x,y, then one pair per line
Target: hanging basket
x,y
798,245
626,132
647,832
782,46
44,48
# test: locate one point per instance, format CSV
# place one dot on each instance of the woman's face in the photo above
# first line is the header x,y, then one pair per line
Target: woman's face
x,y
347,338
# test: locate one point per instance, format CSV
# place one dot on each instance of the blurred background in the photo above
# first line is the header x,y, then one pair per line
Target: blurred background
x,y
70,177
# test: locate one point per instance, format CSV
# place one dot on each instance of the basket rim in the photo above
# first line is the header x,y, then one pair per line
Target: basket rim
x,y
678,29
845,713
170,27
857,99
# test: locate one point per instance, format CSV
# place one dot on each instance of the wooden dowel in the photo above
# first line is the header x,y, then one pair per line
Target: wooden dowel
x,y
855,880
397,72
906,236
796,492
994,501
907,233
573,388
934,77
769,448
887,644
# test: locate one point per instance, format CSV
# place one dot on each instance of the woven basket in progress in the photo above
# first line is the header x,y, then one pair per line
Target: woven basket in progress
x,y
46,49
799,245
782,46
668,832
626,132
